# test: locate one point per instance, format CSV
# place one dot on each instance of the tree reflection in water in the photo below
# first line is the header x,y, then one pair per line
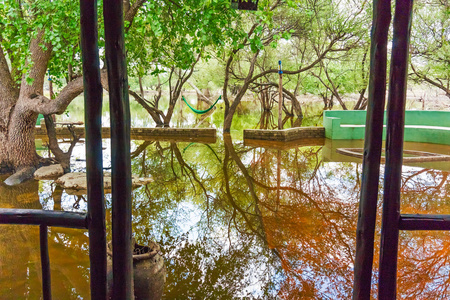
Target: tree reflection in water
x,y
292,238
236,221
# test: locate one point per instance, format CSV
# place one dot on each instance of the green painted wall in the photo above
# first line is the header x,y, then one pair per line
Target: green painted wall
x,y
335,125
38,121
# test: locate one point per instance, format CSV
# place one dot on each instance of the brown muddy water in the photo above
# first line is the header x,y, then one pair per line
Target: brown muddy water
x,y
238,220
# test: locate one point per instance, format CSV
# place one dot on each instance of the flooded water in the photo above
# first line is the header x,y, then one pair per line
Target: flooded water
x,y
238,220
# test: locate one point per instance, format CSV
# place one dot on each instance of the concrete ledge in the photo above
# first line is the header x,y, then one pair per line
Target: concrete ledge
x,y
285,135
205,135
330,153
281,145
420,126
409,156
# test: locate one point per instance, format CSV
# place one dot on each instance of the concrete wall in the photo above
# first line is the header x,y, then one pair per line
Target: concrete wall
x,y
290,134
420,126
207,135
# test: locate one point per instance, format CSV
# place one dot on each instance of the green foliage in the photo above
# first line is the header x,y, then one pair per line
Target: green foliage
x,y
208,74
168,34
430,42
22,21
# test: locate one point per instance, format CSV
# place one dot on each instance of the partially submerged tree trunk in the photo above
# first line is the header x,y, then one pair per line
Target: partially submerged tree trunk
x,y
62,157
21,104
19,116
177,80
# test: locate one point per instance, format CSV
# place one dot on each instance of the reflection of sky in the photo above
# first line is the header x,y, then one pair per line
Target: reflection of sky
x,y
188,217
68,202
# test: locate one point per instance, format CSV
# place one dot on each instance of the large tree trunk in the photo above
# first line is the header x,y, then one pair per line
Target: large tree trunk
x,y
20,106
19,148
9,94
22,149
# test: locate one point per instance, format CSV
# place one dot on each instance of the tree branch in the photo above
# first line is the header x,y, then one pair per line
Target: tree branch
x,y
227,68
8,90
430,81
42,105
132,11
156,114
310,66
38,60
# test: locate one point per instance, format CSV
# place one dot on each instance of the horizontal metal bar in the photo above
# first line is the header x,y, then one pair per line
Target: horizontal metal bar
x,y
43,217
424,222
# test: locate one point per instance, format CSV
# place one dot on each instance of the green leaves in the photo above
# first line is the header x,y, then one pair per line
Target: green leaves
x,y
29,80
172,33
430,44
22,20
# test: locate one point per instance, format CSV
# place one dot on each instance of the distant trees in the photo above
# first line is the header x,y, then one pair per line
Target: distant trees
x,y
307,36
430,44
171,37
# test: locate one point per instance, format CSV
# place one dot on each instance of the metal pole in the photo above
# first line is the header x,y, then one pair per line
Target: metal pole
x,y
278,180
372,151
394,150
120,149
94,159
45,263
280,101
50,86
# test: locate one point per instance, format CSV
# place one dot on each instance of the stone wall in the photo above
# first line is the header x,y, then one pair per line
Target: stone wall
x,y
285,135
207,135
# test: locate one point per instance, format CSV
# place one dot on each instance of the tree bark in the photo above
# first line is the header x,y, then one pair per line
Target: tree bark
x,y
20,105
62,157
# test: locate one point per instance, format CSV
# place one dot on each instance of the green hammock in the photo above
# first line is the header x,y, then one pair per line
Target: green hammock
x,y
201,111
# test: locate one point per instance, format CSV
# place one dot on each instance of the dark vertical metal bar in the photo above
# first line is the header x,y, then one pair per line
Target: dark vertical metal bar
x,y
120,149
278,180
280,97
394,150
45,263
94,160
372,150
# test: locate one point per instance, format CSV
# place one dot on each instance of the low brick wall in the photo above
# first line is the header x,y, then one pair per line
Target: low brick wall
x,y
207,135
285,135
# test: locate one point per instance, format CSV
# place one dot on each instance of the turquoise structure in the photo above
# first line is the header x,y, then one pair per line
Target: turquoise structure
x,y
420,125
39,118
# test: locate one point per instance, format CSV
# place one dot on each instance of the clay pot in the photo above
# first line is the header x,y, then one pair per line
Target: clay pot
x,y
148,270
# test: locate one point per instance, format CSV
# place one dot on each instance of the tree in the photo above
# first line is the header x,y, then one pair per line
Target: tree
x,y
36,36
430,44
344,74
320,28
173,37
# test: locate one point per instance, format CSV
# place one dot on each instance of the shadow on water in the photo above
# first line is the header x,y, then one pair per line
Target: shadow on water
x,y
237,221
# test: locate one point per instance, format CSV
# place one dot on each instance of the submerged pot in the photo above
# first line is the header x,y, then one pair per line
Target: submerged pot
x,y
149,271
